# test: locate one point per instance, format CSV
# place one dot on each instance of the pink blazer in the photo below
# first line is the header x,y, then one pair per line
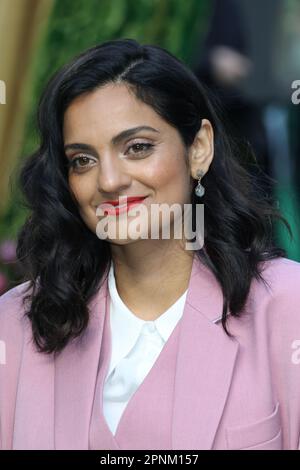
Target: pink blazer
x,y
229,393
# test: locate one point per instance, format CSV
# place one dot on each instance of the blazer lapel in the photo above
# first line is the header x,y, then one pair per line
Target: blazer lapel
x,y
205,363
75,379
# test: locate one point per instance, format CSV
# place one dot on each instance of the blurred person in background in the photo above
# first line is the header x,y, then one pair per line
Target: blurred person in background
x,y
250,57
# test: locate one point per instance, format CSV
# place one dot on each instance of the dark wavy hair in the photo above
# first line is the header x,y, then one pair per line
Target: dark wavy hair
x,y
64,261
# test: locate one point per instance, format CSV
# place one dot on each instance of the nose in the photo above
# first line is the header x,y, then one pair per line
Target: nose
x,y
112,178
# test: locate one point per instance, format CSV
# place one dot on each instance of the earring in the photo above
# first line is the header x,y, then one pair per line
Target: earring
x,y
199,190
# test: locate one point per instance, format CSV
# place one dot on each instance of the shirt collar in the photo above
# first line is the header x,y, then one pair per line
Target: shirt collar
x,y
126,326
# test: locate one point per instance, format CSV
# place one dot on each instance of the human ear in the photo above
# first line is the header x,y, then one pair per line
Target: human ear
x,y
202,150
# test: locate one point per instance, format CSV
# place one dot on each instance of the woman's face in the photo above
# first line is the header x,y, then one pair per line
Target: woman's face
x,y
106,164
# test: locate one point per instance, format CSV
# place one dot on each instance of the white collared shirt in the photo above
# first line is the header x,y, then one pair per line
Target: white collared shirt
x,y
129,362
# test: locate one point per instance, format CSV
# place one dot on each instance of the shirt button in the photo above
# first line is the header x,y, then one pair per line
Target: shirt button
x,y
149,327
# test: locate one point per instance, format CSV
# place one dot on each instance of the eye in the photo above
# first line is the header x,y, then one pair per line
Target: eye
x,y
139,147
80,162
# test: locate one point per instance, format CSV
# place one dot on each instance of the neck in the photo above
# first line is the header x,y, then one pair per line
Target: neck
x,y
151,275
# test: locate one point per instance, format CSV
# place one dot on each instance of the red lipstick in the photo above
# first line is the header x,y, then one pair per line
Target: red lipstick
x,y
120,206
119,201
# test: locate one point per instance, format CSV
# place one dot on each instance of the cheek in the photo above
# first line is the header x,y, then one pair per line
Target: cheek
x,y
168,169
171,176
81,188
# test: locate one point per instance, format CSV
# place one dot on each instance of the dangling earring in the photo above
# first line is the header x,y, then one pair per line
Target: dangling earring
x,y
199,190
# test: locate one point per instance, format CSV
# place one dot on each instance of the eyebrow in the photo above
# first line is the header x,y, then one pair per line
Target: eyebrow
x,y
115,140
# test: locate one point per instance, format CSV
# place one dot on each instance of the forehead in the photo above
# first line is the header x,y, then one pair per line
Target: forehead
x,y
106,111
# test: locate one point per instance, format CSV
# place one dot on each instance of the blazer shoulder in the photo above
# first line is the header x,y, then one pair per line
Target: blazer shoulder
x,y
282,274
280,296
13,324
11,303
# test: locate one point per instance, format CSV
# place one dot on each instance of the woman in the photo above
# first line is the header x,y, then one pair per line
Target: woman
x,y
123,340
